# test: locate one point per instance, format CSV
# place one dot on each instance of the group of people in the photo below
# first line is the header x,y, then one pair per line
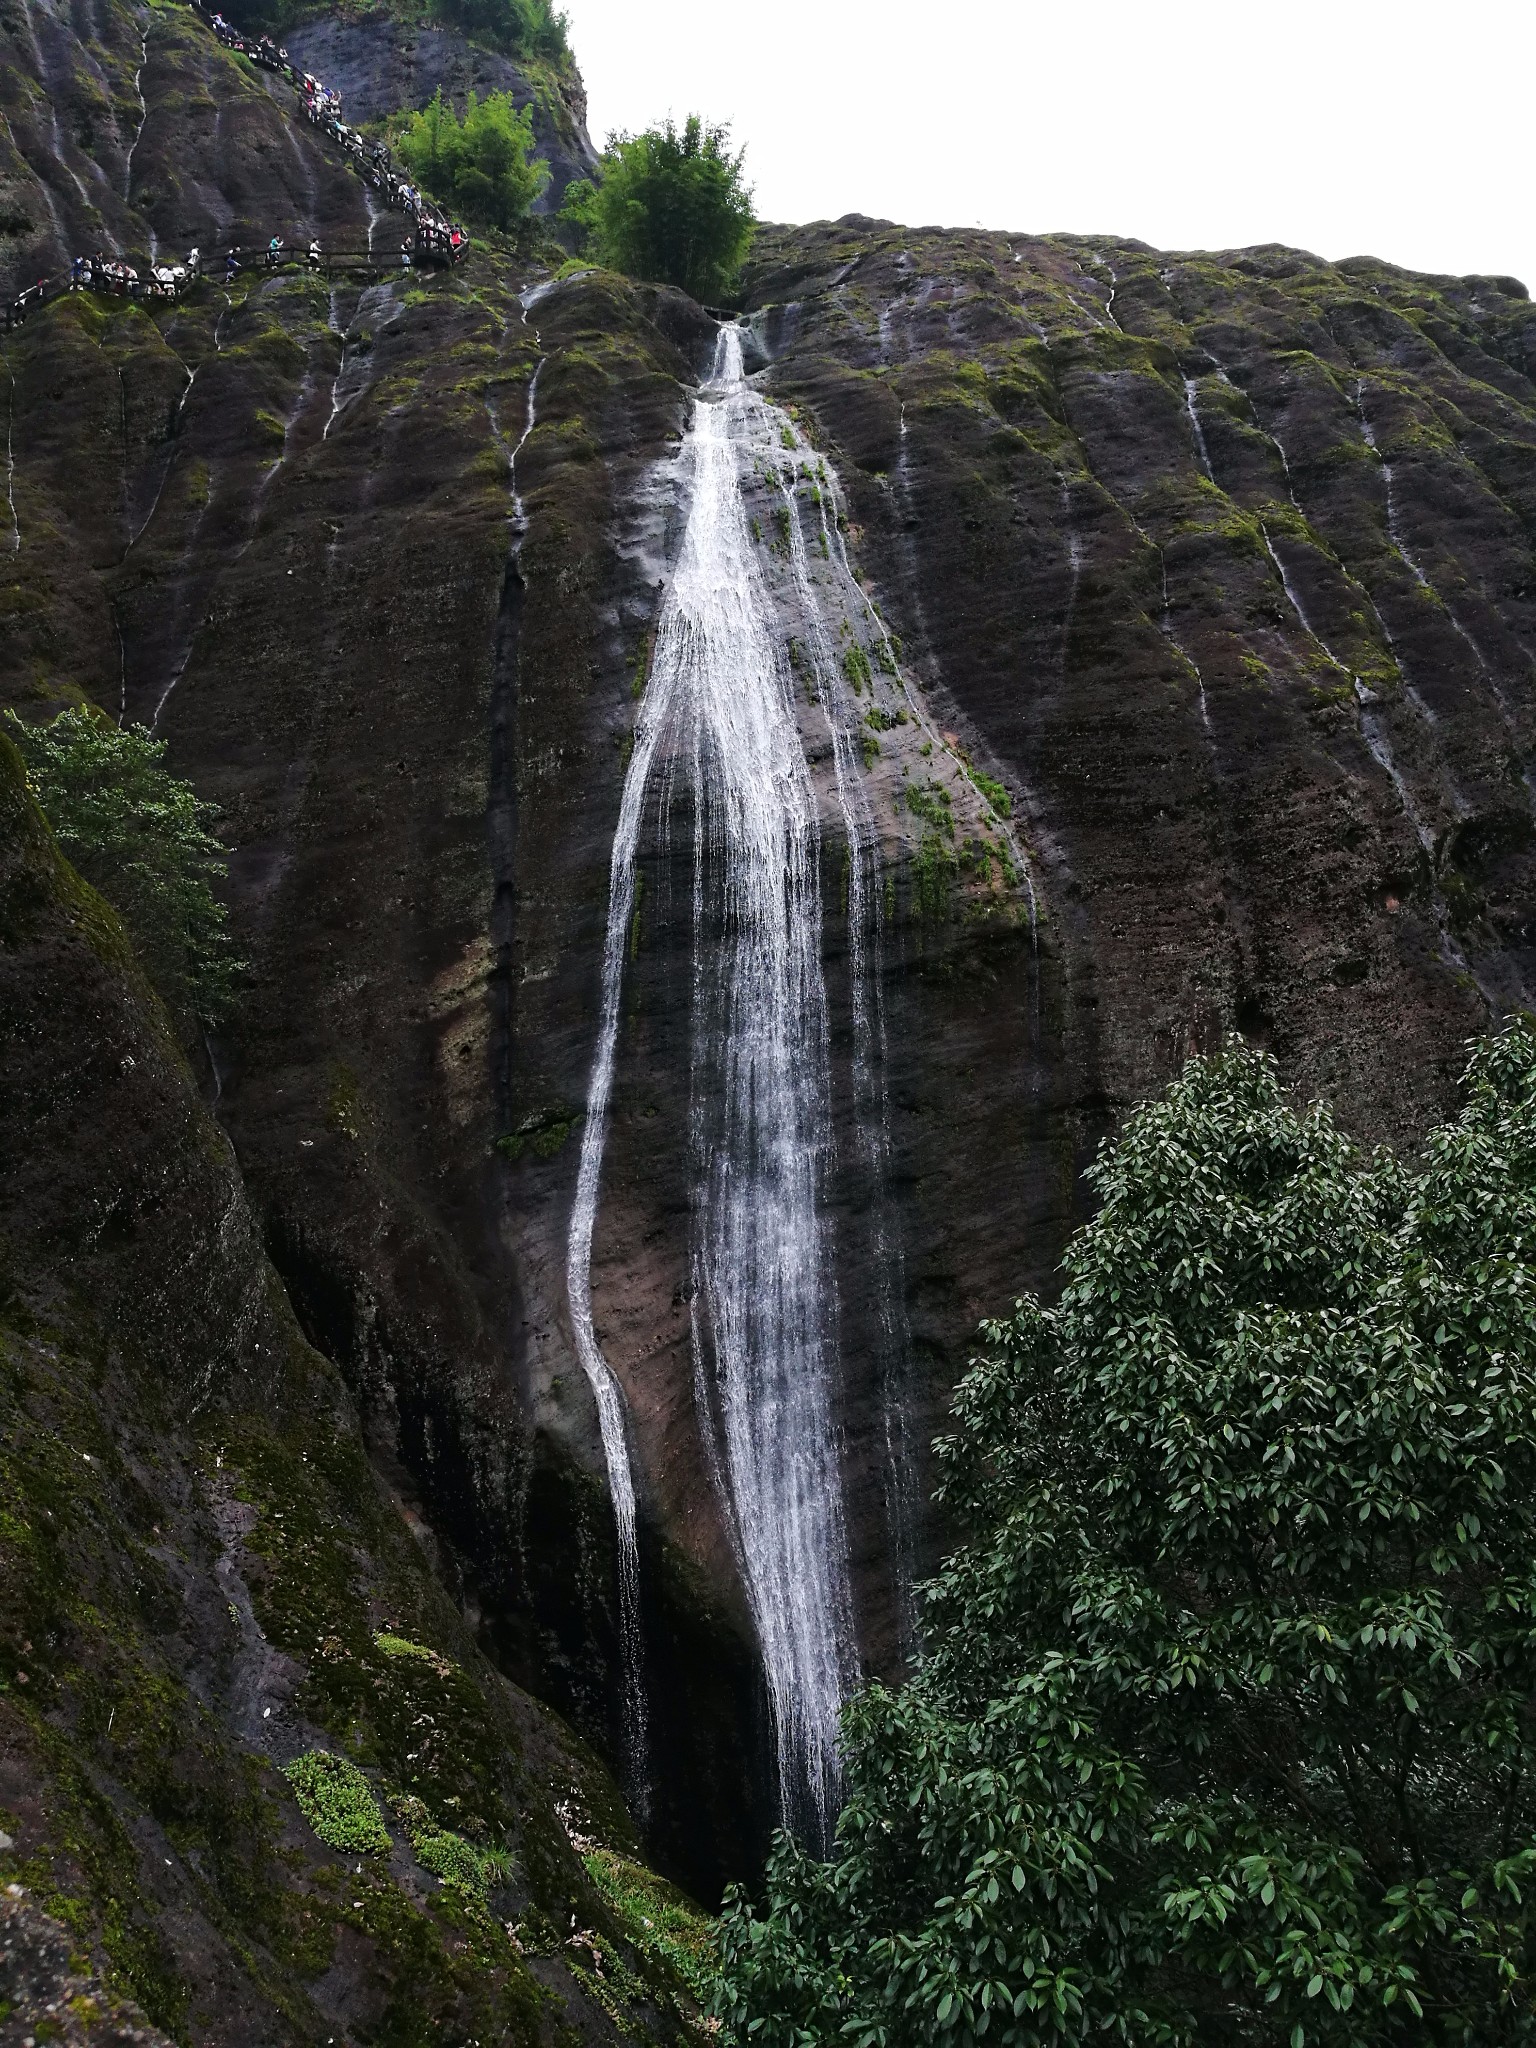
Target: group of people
x,y
100,273
437,239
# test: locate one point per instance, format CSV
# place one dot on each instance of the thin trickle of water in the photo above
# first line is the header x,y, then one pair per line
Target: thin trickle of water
x,y
1205,709
1381,751
1410,562
122,666
530,419
354,370
719,708
1114,287
143,113
1394,532
70,172
1198,431
181,406
10,462
376,213
1075,561
1293,599
341,361
169,690
606,1394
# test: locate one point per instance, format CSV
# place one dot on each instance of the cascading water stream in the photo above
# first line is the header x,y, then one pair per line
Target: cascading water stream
x,y
871,1108
143,114
10,462
719,709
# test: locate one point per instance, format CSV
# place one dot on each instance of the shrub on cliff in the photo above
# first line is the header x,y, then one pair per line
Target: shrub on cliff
x,y
479,165
1224,1732
523,28
141,836
670,206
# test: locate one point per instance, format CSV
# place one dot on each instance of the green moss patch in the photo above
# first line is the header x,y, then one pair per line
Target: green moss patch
x,y
338,1802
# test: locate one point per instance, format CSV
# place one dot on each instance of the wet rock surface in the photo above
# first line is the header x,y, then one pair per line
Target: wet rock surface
x,y
1224,564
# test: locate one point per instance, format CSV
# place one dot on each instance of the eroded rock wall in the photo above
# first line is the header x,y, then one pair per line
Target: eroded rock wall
x,y
201,1579
1224,565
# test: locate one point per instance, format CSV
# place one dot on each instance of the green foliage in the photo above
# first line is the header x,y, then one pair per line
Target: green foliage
x,y
462,1865
542,1133
994,793
524,28
669,205
479,164
856,667
141,836
338,1802
401,1646
933,804
1223,1731
657,1918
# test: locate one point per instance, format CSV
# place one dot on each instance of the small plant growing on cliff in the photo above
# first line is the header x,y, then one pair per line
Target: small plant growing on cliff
x,y
141,836
463,1866
338,1802
480,164
994,793
669,205
1222,1729
856,667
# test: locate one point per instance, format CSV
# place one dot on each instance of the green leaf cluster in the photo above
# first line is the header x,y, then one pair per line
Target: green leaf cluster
x,y
1225,1730
670,206
338,1802
142,837
480,164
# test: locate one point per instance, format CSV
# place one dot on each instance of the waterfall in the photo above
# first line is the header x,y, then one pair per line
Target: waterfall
x,y
719,715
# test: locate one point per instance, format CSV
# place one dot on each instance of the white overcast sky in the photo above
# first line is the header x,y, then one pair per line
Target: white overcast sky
x,y
1348,127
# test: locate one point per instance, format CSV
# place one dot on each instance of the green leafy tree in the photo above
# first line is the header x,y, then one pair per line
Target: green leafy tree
x,y
669,206
1226,1730
480,164
525,28
141,836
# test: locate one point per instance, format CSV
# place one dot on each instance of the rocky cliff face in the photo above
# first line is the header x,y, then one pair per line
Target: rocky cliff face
x,y
1215,572
379,65
1224,565
203,1580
